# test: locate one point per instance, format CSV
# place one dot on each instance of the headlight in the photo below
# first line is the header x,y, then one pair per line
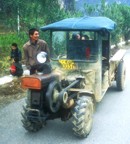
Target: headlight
x,y
42,57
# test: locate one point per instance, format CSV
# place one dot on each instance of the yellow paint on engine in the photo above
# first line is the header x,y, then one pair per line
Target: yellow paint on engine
x,y
68,64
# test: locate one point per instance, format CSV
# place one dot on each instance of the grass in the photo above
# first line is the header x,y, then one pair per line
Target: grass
x,y
6,39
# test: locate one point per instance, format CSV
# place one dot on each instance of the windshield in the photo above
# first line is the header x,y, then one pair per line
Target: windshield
x,y
74,45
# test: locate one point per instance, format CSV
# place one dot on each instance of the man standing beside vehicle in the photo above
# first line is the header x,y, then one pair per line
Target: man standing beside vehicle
x,y
32,48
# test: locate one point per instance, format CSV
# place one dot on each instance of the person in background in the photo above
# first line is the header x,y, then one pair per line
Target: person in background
x,y
32,48
85,37
15,54
75,36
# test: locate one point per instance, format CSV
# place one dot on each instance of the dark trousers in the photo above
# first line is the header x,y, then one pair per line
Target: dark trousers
x,y
44,68
32,70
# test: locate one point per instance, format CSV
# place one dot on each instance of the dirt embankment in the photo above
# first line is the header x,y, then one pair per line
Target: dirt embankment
x,y
10,92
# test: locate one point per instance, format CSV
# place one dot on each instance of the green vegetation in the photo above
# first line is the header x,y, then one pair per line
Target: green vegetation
x,y
5,47
117,12
22,15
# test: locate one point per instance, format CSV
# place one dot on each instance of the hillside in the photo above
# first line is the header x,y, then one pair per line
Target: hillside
x,y
80,3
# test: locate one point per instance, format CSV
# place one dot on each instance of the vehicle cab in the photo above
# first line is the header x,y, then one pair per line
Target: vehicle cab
x,y
80,47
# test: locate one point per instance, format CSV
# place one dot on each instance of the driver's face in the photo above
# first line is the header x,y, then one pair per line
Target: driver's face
x,y
35,36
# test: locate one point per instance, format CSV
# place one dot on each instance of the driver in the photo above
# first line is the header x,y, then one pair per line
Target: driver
x,y
32,48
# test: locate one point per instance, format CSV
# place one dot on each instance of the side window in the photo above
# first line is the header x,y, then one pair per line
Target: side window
x,y
105,49
105,46
58,44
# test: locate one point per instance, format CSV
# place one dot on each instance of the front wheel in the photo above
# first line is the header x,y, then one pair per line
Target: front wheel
x,y
120,76
82,116
29,125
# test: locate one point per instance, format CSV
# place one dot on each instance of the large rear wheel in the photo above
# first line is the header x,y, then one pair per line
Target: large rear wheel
x,y
120,76
82,116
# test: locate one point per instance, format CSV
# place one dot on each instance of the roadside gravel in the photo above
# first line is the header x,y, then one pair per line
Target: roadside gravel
x,y
10,92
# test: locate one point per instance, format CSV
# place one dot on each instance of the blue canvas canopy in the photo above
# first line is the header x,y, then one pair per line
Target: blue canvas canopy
x,y
82,23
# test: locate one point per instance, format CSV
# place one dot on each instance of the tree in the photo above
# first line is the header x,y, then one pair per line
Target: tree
x,y
125,11
69,5
111,11
32,13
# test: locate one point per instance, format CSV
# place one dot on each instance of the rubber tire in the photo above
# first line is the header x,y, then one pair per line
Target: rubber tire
x,y
82,116
120,76
27,124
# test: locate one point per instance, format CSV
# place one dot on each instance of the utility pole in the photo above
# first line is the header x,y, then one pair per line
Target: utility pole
x,y
18,21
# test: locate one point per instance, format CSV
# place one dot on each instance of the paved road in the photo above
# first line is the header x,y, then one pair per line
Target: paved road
x,y
111,122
